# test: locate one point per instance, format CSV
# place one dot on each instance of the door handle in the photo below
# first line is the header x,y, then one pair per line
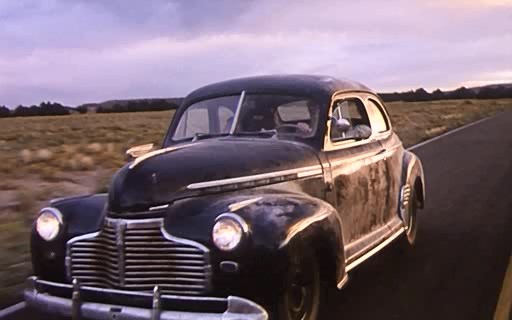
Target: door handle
x,y
382,151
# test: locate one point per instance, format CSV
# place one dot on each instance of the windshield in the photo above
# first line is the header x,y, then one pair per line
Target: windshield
x,y
259,113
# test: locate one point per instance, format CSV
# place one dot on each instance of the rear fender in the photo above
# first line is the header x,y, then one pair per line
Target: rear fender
x,y
412,176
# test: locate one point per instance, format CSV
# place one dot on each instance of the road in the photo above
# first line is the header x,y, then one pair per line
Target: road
x,y
457,267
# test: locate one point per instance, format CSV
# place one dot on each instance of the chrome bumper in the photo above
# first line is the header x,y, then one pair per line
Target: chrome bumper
x,y
103,304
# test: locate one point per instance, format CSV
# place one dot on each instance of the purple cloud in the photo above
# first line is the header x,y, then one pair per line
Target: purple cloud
x,y
81,51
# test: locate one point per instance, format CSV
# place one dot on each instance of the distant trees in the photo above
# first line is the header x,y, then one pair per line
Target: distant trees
x,y
488,92
44,109
4,112
139,106
56,109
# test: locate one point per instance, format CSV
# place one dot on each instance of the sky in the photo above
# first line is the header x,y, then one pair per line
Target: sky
x,y
79,51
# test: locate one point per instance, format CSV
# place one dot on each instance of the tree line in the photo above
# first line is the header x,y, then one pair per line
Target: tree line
x,y
57,109
488,92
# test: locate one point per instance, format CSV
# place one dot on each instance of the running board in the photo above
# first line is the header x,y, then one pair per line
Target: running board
x,y
373,251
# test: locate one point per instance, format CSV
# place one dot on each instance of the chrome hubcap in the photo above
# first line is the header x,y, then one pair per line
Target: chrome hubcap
x,y
298,298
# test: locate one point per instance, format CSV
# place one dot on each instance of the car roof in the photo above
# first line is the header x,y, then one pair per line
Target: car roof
x,y
315,86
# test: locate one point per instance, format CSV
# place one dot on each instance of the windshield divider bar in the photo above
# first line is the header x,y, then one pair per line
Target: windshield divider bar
x,y
237,113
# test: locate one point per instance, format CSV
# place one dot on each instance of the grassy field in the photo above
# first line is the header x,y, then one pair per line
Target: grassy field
x,y
46,157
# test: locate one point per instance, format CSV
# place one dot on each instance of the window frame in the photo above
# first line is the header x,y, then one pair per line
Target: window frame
x,y
345,144
369,99
330,145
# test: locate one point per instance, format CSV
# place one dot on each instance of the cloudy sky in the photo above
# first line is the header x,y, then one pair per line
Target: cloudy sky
x,y
77,51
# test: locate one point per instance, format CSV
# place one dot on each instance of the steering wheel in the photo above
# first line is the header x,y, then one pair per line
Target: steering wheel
x,y
295,127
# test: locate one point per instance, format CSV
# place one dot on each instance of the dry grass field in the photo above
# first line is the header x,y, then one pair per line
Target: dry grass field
x,y
46,157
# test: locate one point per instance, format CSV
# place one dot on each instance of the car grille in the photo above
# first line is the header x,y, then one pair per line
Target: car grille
x,y
138,255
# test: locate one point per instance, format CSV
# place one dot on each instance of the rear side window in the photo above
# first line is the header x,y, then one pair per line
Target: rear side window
x,y
377,117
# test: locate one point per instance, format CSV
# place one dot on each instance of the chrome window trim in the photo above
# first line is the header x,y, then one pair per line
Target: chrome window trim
x,y
364,97
377,100
330,145
300,172
237,113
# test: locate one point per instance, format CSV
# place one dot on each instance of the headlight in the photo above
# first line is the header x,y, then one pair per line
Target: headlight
x,y
228,231
48,223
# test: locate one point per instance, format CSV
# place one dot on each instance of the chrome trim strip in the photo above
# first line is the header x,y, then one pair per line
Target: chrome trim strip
x,y
306,171
242,204
370,253
67,260
152,222
169,236
237,113
151,154
309,173
120,230
164,206
369,239
343,282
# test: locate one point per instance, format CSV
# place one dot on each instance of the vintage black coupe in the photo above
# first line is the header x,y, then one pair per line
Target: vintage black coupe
x,y
266,193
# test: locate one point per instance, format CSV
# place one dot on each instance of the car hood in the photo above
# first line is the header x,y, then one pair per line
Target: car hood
x,y
165,175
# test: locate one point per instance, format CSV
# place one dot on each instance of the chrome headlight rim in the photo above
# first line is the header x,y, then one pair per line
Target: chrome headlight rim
x,y
239,221
54,214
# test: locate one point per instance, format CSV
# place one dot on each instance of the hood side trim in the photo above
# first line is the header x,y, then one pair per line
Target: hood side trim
x,y
300,172
158,152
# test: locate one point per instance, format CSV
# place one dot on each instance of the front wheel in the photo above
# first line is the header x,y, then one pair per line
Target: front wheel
x,y
300,297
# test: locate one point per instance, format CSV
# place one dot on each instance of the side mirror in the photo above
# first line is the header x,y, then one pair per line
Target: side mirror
x,y
137,151
342,125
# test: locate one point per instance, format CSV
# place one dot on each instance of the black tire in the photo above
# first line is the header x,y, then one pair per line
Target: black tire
x,y
410,221
302,290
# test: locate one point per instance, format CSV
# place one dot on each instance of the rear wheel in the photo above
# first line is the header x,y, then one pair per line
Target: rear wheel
x,y
410,220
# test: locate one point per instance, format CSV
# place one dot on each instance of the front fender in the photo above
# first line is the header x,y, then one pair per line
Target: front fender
x,y
80,215
275,220
412,175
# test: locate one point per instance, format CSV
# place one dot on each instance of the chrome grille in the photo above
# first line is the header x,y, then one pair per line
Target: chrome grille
x,y
138,255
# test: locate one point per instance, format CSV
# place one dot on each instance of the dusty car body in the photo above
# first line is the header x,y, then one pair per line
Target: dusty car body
x,y
265,190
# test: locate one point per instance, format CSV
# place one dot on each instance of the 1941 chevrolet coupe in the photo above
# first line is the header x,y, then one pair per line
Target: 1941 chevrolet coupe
x,y
266,192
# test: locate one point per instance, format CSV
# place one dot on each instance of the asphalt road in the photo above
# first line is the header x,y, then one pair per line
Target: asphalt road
x,y
456,269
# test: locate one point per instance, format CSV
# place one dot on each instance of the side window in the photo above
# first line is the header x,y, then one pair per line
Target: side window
x,y
354,112
226,117
378,119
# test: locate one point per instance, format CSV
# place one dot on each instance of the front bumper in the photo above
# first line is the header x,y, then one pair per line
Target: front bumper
x,y
102,304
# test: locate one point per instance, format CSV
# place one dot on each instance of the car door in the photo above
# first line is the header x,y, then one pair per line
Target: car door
x,y
389,160
353,175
